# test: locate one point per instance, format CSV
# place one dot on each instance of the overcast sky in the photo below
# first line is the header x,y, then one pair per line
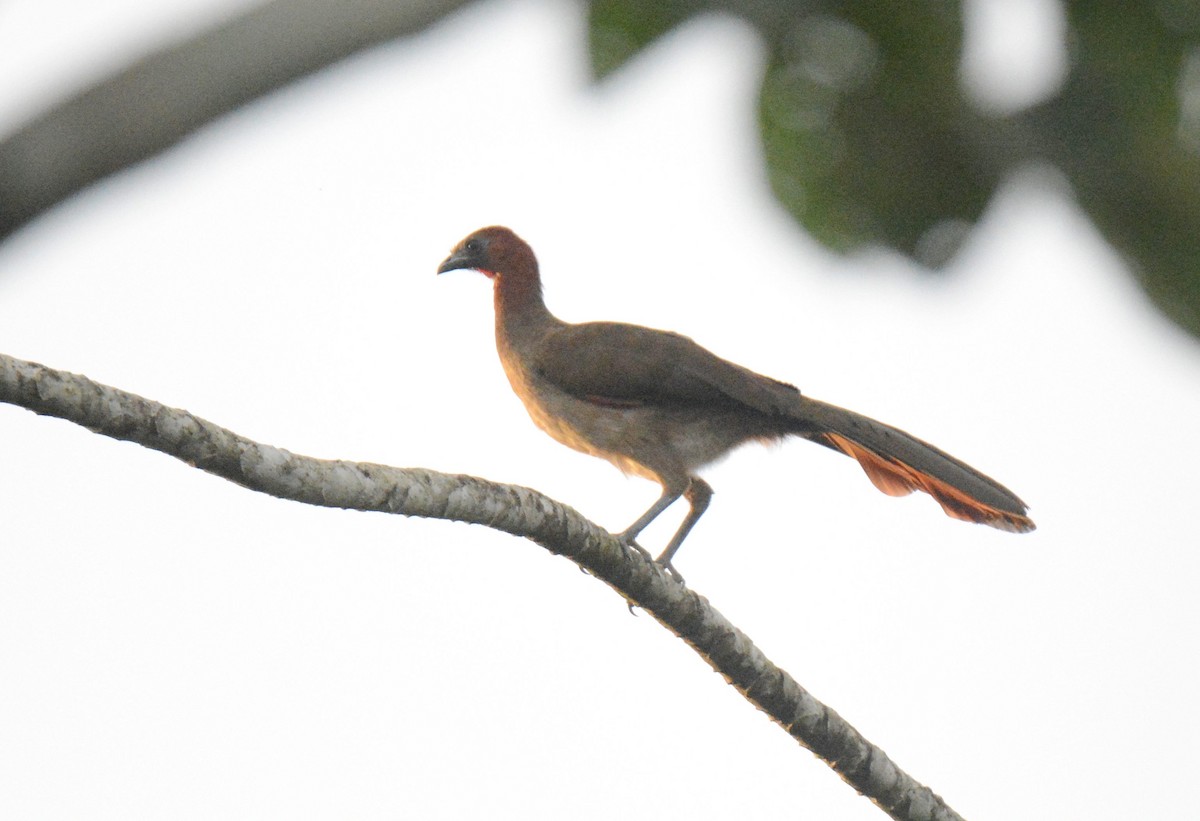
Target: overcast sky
x,y
174,646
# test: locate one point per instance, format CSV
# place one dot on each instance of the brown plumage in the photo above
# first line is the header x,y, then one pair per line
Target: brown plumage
x,y
658,405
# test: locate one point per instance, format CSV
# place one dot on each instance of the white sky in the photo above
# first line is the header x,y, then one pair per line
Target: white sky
x,y
176,646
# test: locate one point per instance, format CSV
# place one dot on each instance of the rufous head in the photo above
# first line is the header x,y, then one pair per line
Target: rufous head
x,y
495,252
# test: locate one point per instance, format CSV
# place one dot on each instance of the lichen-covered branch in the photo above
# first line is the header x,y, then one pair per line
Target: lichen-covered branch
x,y
516,510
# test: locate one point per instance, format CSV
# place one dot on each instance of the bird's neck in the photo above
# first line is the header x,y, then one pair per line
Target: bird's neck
x,y
522,317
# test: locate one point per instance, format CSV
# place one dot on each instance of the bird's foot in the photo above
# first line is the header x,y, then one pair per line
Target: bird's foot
x,y
630,542
670,568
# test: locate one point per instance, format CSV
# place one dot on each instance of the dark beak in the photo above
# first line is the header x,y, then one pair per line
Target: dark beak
x,y
457,261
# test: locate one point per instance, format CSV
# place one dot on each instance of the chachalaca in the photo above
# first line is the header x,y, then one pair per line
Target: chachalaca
x,y
658,405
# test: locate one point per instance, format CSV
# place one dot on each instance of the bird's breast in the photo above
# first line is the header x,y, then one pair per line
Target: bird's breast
x,y
607,431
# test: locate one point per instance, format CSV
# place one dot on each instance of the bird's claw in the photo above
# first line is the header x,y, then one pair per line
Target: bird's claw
x,y
631,543
667,567
670,569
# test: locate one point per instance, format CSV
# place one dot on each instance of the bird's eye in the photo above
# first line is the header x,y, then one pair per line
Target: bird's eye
x,y
472,245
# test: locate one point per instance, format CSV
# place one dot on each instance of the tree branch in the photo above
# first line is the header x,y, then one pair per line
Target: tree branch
x,y
160,99
516,510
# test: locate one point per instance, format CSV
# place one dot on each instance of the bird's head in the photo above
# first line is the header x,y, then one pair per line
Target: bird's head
x,y
495,252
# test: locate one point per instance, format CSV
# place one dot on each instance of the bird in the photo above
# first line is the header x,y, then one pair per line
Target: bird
x,y
660,406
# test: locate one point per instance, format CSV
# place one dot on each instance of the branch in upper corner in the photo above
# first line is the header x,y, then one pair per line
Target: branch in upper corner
x,y
158,100
511,509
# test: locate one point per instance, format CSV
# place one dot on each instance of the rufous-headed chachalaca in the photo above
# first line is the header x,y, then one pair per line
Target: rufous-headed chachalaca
x,y
658,405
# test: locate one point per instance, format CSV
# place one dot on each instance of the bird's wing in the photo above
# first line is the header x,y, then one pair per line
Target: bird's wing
x,y
619,364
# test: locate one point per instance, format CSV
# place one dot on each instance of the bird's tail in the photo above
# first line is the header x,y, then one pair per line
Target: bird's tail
x,y
898,463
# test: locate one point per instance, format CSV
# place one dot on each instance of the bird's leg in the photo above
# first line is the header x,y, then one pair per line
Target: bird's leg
x,y
628,536
699,494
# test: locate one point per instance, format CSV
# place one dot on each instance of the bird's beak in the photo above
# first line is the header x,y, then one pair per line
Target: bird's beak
x,y
455,262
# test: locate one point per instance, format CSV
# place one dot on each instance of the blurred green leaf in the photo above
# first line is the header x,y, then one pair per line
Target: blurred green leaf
x,y
866,135
869,138
619,29
1119,133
